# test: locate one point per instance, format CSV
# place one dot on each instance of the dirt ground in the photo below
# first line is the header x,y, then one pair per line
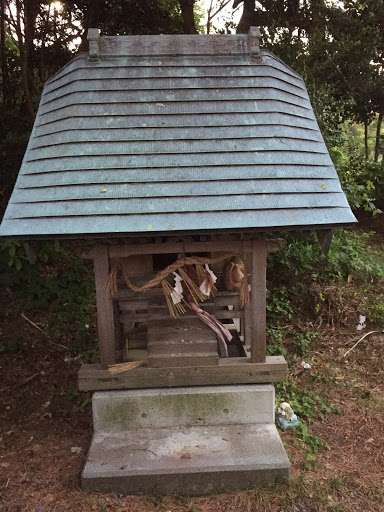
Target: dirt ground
x,y
46,429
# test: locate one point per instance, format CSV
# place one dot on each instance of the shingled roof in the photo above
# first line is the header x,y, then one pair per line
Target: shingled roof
x,y
174,133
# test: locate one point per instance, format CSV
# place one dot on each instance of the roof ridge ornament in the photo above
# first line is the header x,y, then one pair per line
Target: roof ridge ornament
x,y
254,35
93,37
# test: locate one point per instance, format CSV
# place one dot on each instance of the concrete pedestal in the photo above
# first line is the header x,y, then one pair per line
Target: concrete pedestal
x,y
191,441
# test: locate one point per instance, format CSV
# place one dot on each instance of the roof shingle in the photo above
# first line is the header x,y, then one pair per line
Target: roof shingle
x,y
178,133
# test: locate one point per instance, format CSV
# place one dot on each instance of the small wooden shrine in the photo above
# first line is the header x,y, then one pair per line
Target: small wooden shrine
x,y
173,150
137,320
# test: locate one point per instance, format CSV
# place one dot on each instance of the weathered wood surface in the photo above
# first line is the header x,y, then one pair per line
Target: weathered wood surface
x,y
174,45
136,338
119,334
127,295
135,311
164,315
228,371
258,301
183,341
105,309
247,326
120,251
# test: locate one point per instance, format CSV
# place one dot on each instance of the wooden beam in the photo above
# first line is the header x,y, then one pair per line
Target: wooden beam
x,y
258,301
128,317
119,334
121,251
228,371
247,328
105,310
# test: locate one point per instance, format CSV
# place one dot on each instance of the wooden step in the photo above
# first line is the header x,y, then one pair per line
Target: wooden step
x,y
181,342
183,347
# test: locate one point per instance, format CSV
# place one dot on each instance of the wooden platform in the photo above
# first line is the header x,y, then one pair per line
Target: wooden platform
x,y
229,371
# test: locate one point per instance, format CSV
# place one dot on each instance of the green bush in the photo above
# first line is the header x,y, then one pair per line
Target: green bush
x,y
301,342
300,255
375,312
361,180
306,405
59,286
351,254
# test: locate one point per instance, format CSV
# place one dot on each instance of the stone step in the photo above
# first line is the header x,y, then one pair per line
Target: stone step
x,y
190,461
118,411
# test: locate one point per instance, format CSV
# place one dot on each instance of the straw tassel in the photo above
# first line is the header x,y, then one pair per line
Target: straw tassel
x,y
200,273
111,284
235,279
114,369
175,310
244,293
193,289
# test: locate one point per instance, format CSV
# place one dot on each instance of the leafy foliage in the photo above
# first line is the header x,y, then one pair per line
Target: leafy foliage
x,y
361,180
301,342
60,284
307,405
376,312
350,254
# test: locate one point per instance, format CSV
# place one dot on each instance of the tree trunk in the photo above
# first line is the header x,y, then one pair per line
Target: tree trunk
x,y
366,140
93,18
24,65
188,16
209,17
247,18
4,70
378,133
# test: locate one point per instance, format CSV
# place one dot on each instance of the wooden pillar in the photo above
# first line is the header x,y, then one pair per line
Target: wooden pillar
x,y
119,335
258,301
104,305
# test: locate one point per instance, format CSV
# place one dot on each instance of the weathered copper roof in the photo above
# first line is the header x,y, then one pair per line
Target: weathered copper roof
x,y
174,133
